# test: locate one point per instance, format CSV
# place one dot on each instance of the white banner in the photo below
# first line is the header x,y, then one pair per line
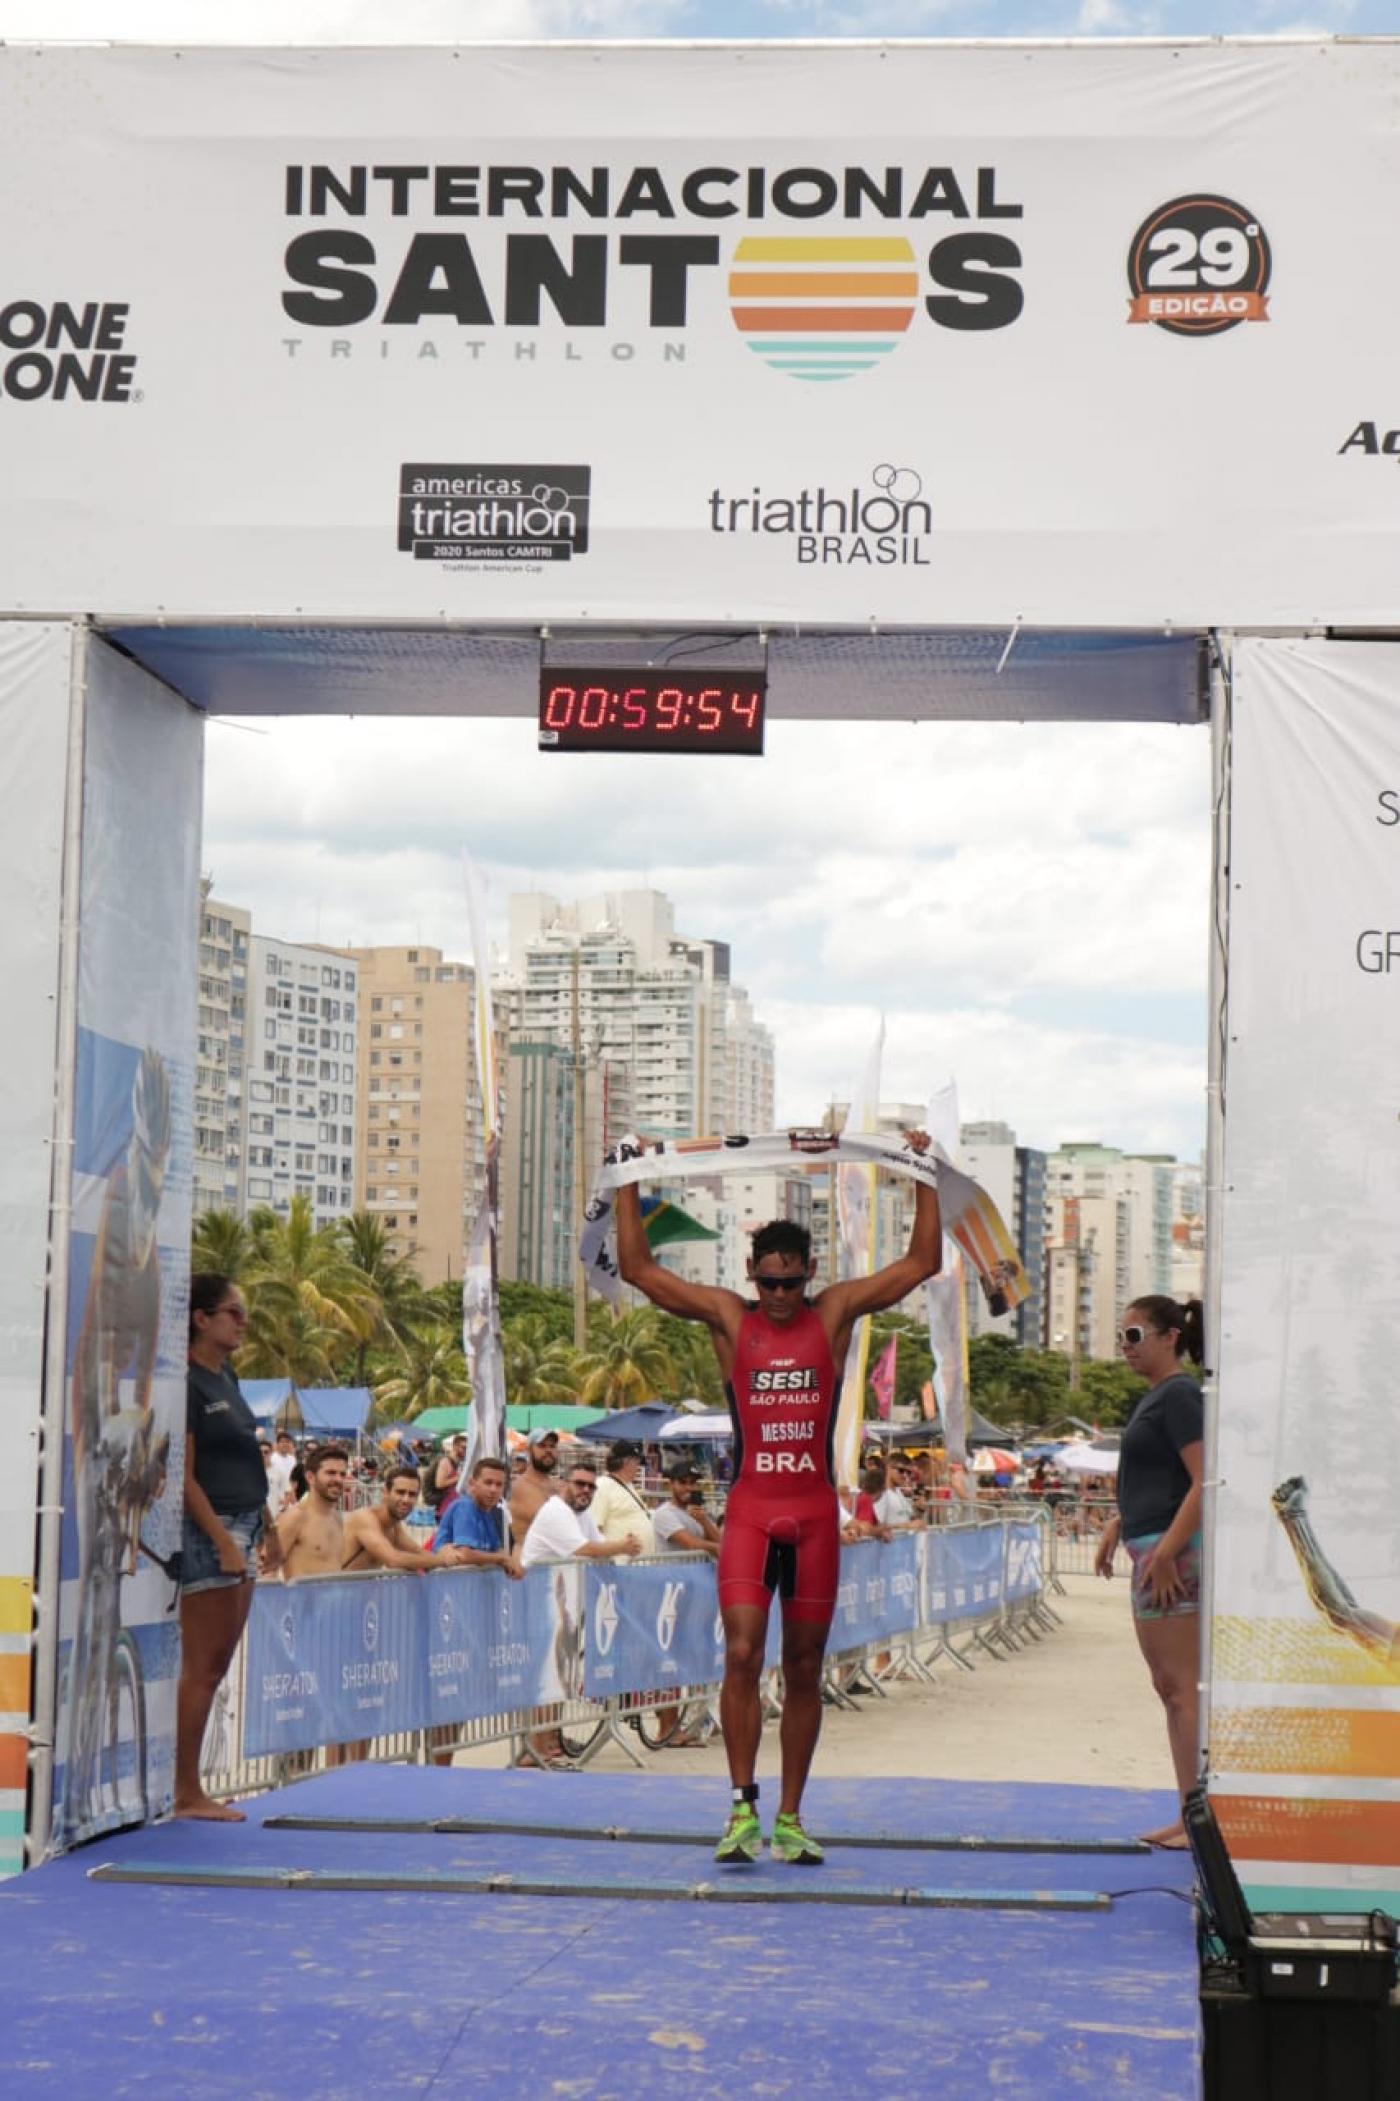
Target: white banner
x,y
967,331
129,1251
481,1307
34,687
1305,1636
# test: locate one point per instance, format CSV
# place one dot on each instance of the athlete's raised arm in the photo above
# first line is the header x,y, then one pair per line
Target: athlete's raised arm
x,y
720,1310
841,1305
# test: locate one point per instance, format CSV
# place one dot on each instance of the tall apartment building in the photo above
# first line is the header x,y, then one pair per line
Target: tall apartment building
x,y
541,1200
1188,1268
421,1150
224,932
1109,1235
300,1068
1014,1178
675,1042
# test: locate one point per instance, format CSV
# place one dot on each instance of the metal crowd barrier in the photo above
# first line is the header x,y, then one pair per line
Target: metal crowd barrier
x,y
987,1628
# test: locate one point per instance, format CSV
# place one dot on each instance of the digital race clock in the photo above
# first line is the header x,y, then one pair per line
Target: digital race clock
x,y
666,710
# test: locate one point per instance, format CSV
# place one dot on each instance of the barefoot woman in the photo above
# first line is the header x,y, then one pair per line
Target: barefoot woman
x,y
1159,1519
226,1519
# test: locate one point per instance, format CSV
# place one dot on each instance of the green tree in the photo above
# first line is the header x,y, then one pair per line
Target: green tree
x,y
1017,1388
433,1374
392,1277
306,1299
630,1363
541,1369
1107,1391
221,1245
554,1309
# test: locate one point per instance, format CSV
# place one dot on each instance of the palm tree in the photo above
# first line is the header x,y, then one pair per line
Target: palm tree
x,y
540,1371
434,1375
298,1278
631,1365
221,1244
396,1282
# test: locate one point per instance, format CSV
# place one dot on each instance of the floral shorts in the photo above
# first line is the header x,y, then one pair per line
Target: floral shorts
x,y
1188,1563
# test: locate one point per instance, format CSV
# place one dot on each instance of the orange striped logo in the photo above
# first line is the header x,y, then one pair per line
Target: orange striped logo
x,y
823,307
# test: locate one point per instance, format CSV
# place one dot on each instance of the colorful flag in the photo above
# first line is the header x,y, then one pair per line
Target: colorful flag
x,y
858,1221
882,1379
664,1222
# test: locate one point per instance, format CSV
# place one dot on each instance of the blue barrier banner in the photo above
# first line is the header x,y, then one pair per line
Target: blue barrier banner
x,y
1025,1556
329,1662
336,1660
651,1626
962,1572
878,1595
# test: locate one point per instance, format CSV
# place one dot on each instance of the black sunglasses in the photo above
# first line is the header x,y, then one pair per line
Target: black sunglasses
x,y
1132,1336
780,1283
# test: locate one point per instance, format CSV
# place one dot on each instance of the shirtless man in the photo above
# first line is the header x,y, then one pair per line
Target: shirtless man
x,y
312,1532
781,1360
535,1485
379,1536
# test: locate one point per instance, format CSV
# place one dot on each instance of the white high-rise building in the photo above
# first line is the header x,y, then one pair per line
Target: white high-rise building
x,y
300,1078
224,932
676,1043
1108,1237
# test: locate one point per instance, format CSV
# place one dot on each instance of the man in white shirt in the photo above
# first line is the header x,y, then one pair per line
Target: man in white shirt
x,y
618,1506
562,1529
894,1508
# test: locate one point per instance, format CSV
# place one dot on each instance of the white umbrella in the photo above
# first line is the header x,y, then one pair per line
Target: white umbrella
x,y
688,1429
1086,1459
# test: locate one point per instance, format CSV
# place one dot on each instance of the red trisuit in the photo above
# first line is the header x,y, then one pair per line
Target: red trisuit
x,y
782,1523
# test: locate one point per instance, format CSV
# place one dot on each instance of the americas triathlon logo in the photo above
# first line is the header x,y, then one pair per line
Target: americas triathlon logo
x,y
826,270
501,515
1199,266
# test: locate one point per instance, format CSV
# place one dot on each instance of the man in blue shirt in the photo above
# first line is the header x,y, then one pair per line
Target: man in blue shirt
x,y
475,1524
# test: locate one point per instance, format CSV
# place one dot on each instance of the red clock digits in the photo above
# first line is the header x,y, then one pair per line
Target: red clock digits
x,y
559,708
669,702
710,716
745,705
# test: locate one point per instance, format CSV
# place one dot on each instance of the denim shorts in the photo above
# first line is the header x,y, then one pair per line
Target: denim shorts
x,y
1188,1563
199,1557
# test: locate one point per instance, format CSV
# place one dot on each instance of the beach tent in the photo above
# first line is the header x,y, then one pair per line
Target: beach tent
x,y
333,1411
699,1429
643,1423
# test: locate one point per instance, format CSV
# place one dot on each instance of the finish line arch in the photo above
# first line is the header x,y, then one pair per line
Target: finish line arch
x,y
321,395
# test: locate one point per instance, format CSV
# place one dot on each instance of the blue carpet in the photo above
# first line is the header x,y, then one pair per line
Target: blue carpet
x,y
264,1995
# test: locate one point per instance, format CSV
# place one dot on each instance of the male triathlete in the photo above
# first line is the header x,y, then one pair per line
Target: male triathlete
x,y
781,1361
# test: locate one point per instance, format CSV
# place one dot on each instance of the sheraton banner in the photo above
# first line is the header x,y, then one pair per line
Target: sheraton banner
x,y
415,334
342,1658
1304,1726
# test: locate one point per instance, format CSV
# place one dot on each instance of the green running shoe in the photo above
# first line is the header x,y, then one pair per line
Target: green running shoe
x,y
792,1844
743,1837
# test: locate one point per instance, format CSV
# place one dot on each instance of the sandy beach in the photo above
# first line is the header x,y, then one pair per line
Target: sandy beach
x,y
1075,1707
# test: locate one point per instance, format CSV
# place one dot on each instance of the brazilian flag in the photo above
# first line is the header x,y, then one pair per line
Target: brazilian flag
x,y
664,1222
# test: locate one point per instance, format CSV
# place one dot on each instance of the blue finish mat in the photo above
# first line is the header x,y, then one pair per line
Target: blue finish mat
x,y
153,1989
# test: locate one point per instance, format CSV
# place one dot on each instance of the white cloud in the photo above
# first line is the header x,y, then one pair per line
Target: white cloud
x,y
1028,904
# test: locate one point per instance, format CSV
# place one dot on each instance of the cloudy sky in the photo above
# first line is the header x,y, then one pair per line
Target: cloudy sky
x,y
1042,940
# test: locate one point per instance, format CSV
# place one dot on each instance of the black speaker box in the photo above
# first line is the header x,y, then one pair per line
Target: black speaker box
x,y
1276,2049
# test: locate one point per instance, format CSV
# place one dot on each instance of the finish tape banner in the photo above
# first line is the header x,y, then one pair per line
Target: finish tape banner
x,y
339,1659
969,1215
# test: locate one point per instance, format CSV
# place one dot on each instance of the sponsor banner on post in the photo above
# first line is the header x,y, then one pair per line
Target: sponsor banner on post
x,y
1031,338
650,1627
1025,1559
35,698
1304,1661
128,1284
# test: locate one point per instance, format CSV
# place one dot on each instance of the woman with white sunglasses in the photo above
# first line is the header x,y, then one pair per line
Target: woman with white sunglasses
x,y
1159,1520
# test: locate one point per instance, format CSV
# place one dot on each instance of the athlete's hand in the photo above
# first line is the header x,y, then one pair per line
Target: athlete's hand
x,y
918,1141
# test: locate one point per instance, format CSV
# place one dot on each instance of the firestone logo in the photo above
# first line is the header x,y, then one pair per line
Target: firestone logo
x,y
63,352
